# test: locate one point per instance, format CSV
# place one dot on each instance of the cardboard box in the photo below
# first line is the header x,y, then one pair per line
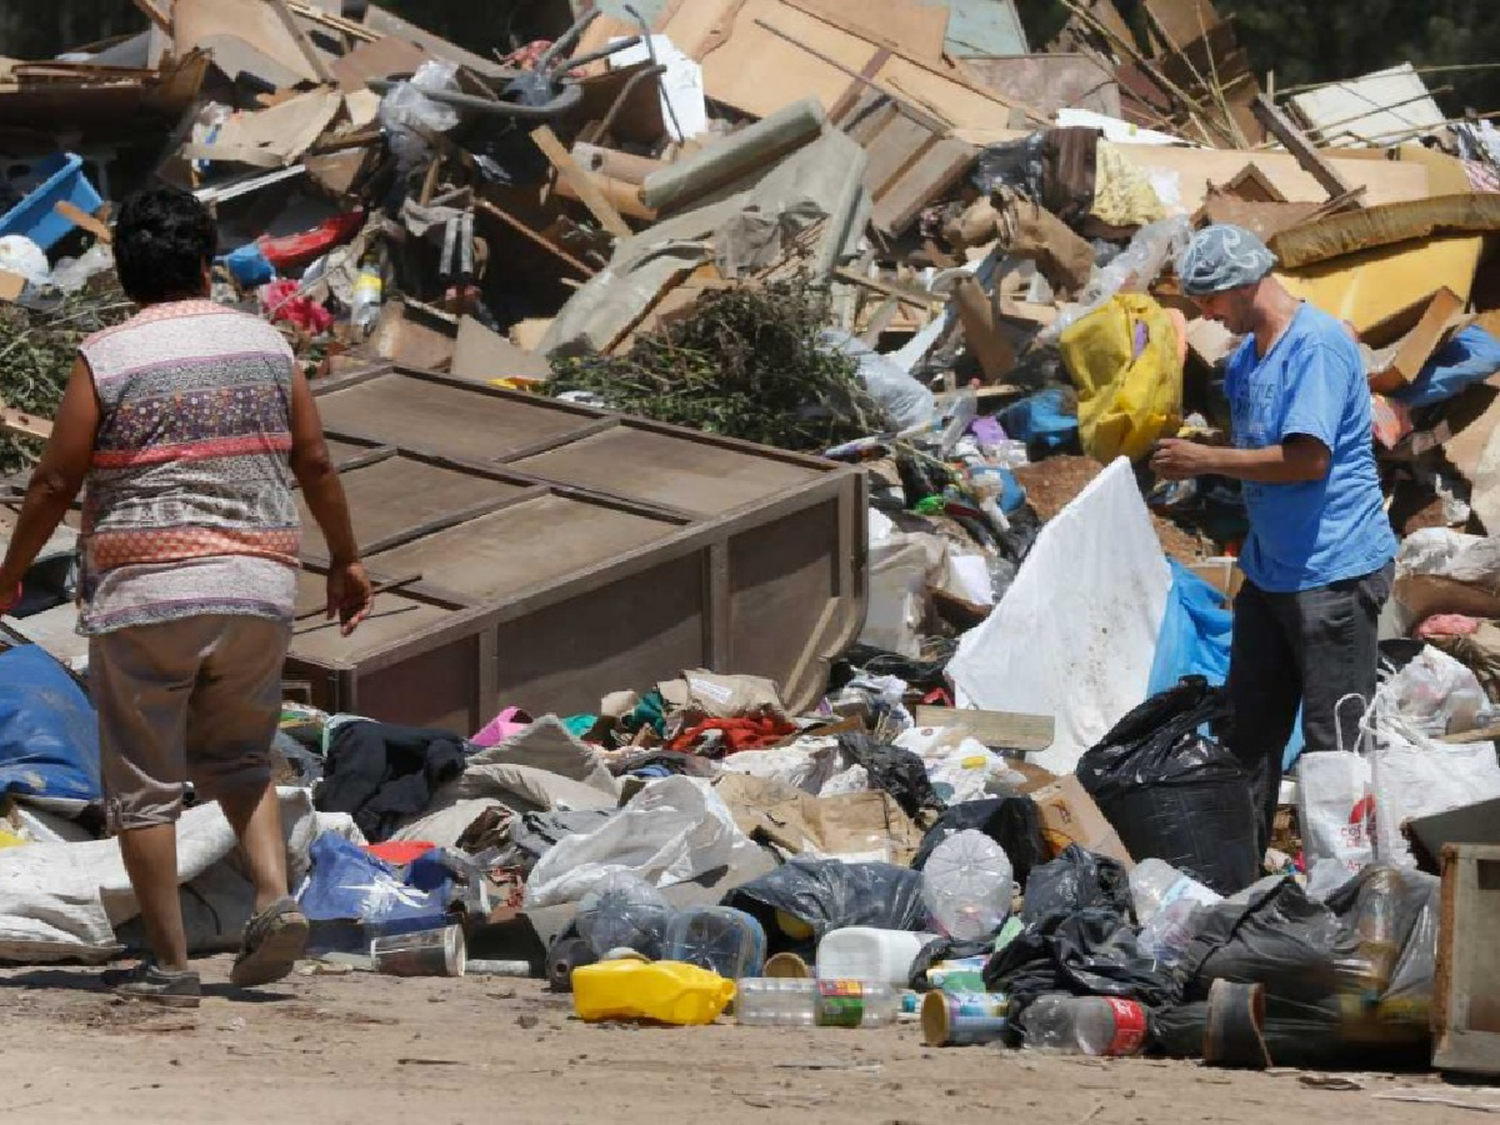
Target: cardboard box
x,y
1070,816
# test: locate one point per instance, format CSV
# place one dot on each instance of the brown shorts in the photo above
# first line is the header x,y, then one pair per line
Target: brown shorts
x,y
191,700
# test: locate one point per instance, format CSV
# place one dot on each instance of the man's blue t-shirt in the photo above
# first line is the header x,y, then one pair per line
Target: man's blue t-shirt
x,y
1310,533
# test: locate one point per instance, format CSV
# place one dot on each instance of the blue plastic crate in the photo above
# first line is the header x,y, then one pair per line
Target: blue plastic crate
x,y
62,181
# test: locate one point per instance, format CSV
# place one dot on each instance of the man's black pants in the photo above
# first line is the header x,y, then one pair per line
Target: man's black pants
x,y
1314,648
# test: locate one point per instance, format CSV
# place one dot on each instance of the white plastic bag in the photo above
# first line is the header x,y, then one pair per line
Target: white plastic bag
x,y
673,830
1414,775
1335,808
1432,690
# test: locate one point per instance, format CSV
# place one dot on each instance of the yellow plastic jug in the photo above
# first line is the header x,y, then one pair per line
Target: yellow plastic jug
x,y
665,991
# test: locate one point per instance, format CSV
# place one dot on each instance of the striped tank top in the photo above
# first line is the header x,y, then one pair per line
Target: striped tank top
x,y
189,507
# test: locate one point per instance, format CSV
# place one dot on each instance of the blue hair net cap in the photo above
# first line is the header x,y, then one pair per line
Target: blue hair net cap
x,y
1222,257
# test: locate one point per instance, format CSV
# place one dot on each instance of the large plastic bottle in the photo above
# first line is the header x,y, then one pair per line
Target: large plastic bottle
x,y
785,1002
665,991
1155,884
720,938
967,885
865,953
1085,1025
623,911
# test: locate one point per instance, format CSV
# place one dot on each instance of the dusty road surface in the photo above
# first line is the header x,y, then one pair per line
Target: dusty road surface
x,y
324,1049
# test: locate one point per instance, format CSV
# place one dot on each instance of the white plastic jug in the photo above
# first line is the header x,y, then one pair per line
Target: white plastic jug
x,y
865,953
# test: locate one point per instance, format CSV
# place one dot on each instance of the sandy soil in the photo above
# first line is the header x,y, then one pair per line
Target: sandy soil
x,y
363,1048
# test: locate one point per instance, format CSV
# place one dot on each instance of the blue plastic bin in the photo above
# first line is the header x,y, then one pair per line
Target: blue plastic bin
x,y
62,181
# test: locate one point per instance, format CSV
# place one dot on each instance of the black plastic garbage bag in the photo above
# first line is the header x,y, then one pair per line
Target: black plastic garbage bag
x,y
1174,793
1347,980
825,895
899,772
1012,822
1092,952
1075,881
927,675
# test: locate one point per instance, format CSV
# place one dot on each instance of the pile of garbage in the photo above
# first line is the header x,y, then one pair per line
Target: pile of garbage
x,y
843,229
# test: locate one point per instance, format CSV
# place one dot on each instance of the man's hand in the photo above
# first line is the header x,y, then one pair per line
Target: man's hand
x,y
10,594
1176,459
349,595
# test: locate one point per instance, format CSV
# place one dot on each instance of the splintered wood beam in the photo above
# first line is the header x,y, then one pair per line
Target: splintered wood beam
x,y
1296,143
581,182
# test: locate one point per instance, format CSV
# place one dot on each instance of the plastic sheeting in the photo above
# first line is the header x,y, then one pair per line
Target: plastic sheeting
x,y
1472,356
671,831
64,901
1075,636
49,737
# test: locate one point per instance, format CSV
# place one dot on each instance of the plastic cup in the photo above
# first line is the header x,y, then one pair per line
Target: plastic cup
x,y
422,953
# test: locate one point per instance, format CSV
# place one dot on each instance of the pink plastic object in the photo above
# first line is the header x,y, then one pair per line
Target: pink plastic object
x,y
510,721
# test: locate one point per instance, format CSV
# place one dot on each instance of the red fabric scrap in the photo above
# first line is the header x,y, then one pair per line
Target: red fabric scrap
x,y
739,734
398,853
282,303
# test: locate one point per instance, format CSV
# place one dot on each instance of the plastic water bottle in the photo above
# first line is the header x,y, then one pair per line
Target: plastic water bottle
x,y
1156,885
865,953
967,885
785,1002
728,941
623,912
1085,1025
368,290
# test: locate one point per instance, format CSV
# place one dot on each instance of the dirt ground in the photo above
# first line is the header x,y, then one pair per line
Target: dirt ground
x,y
364,1048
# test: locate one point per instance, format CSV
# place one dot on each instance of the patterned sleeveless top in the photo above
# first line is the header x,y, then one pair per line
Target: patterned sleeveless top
x,y
189,508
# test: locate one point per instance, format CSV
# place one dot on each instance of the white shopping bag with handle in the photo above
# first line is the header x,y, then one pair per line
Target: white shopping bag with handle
x,y
1336,805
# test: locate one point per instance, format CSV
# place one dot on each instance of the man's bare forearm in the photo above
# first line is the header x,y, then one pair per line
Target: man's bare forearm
x,y
1276,464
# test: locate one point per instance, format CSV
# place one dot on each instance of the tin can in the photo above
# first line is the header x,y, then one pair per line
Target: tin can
x,y
955,1019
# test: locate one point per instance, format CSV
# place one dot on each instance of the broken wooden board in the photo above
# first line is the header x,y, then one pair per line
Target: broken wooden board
x,y
12,285
275,137
1195,169
1466,989
1006,729
1434,325
411,338
1295,142
1387,225
750,63
242,34
486,356
1367,287
24,424
1048,82
386,57
581,182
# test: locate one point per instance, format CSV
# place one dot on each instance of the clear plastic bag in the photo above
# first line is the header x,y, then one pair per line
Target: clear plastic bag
x,y
623,911
1153,246
906,402
1432,690
407,108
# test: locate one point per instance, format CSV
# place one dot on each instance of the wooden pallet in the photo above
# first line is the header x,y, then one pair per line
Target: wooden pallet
x,y
1466,994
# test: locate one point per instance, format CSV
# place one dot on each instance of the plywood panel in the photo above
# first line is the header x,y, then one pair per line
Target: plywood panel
x,y
913,28
621,634
394,618
438,688
785,571
757,72
641,465
524,546
962,106
1387,182
421,414
401,493
1366,288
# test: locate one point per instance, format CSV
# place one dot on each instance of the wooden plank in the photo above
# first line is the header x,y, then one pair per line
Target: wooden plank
x,y
912,28
1009,729
907,296
560,158
1466,992
1295,142
155,15
22,424
1432,330
892,151
536,236
314,57
82,218
927,182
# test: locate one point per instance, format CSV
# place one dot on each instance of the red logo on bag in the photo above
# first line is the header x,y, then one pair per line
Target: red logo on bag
x,y
1364,812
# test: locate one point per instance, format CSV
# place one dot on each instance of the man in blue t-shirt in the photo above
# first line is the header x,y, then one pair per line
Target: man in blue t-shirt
x,y
1317,562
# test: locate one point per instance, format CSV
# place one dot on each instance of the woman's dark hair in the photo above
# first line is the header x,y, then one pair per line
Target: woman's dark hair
x,y
163,238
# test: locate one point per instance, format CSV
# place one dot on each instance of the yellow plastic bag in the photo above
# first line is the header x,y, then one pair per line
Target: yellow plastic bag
x,y
665,991
1125,361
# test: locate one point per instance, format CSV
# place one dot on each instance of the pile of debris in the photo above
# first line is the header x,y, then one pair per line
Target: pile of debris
x,y
932,275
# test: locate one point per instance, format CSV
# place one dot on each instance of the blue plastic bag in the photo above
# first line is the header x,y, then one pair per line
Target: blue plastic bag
x,y
346,883
1042,420
1195,632
49,735
1471,356
249,265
